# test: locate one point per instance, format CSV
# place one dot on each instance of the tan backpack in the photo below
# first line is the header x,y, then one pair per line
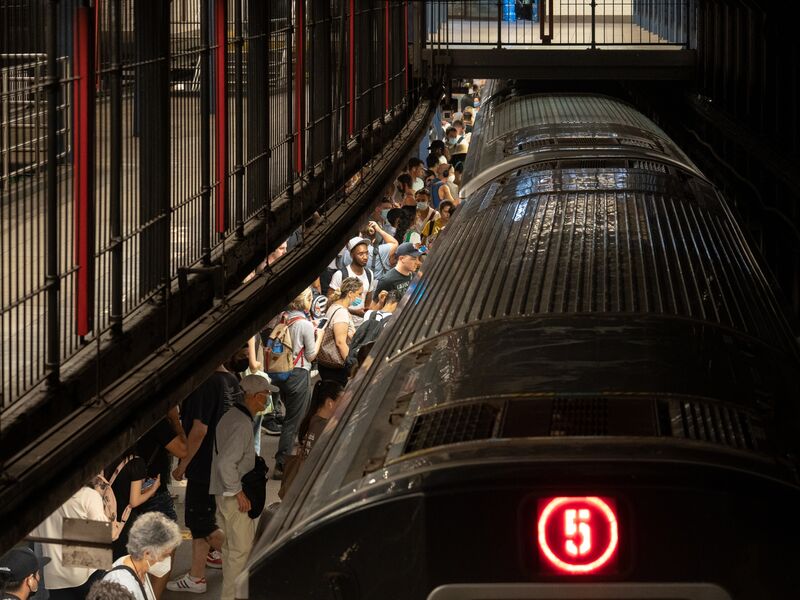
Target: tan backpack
x,y
278,351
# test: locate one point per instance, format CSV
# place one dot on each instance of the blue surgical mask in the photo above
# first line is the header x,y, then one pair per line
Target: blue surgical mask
x,y
476,104
385,213
357,302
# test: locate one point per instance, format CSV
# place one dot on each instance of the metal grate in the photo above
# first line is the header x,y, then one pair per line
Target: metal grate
x,y
462,423
579,416
709,422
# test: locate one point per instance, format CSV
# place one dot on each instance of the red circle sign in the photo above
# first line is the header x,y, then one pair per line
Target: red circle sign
x,y
577,535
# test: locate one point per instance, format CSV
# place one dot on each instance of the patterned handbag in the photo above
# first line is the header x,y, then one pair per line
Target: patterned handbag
x,y
329,355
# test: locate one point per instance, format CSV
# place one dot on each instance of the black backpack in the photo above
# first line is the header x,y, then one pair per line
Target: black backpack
x,y
366,333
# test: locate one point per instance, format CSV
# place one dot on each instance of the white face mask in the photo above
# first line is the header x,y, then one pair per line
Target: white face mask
x,y
160,568
451,178
418,184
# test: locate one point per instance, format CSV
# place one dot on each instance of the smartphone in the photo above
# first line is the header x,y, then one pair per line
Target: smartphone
x,y
148,483
423,249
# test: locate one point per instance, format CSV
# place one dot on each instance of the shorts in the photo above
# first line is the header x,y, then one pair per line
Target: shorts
x,y
161,502
201,510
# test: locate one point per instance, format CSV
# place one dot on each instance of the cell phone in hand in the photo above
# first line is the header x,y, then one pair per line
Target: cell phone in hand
x,y
148,483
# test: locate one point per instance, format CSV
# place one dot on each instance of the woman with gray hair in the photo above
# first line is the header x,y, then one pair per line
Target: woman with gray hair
x,y
151,542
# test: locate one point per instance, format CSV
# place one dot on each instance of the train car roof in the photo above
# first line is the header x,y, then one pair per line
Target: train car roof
x,y
581,299
515,130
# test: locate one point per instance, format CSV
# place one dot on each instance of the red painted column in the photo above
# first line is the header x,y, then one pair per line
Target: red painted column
x,y
221,112
386,54
300,88
83,98
351,72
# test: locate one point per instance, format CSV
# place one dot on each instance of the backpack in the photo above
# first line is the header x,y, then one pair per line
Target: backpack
x,y
103,487
278,351
366,333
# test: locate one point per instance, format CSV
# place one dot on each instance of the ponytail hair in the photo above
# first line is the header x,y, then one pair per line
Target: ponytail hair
x,y
323,390
348,285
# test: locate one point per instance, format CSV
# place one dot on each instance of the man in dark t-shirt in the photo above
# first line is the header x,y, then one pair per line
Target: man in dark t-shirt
x,y
200,414
400,278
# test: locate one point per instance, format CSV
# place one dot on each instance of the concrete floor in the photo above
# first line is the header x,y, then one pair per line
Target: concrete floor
x,y
183,557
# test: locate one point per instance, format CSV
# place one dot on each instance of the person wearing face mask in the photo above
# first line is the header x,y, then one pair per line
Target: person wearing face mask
x,y
380,214
20,573
233,459
424,215
359,252
334,342
152,540
451,138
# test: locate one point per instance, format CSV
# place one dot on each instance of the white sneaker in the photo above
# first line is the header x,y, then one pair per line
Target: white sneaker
x,y
187,584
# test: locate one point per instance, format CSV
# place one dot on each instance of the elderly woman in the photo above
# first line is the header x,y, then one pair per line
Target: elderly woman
x,y
151,542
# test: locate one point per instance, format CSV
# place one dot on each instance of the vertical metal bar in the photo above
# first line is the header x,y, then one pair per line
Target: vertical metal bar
x,y
405,46
258,103
115,191
387,39
238,121
594,24
221,112
267,126
300,89
52,362
499,24
289,115
205,133
351,95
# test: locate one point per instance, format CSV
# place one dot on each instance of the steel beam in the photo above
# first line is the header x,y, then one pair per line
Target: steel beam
x,y
615,65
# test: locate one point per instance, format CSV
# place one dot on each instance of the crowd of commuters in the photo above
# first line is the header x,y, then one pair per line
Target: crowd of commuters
x,y
285,381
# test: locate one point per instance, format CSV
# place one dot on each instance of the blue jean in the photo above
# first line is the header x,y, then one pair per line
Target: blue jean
x,y
296,395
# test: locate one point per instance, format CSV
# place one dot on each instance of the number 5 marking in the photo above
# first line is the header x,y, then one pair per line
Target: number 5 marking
x,y
576,523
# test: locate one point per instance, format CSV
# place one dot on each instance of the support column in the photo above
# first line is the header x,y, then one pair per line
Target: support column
x,y
83,179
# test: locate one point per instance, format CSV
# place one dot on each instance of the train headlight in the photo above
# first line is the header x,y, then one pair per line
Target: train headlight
x,y
577,535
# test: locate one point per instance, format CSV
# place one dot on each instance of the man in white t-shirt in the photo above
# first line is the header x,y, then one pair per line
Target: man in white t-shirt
x,y
359,252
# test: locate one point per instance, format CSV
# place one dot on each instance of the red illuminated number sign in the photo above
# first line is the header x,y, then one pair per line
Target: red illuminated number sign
x,y
577,534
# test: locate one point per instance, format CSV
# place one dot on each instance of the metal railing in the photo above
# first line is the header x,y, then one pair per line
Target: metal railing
x,y
577,23
23,115
162,157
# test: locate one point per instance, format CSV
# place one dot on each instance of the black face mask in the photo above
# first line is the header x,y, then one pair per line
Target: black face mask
x,y
240,364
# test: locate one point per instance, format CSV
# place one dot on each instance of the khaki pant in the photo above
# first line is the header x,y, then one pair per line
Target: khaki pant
x,y
240,531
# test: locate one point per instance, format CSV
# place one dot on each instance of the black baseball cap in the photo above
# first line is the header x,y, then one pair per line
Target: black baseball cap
x,y
21,562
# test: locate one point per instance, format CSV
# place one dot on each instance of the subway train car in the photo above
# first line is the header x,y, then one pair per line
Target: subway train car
x,y
592,392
